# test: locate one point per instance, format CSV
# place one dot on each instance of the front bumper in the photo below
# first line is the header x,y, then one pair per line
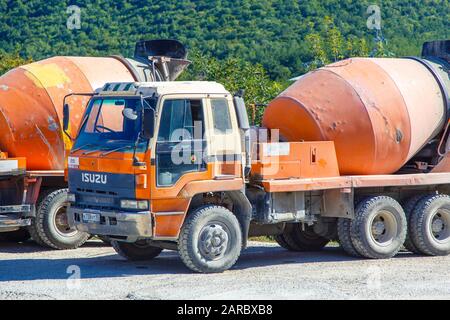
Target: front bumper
x,y
14,217
126,226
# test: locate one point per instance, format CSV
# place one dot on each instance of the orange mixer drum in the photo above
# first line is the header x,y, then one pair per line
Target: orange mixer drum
x,y
379,112
31,105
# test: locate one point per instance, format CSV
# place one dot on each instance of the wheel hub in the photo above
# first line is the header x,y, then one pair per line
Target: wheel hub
x,y
384,228
213,241
378,228
440,225
62,223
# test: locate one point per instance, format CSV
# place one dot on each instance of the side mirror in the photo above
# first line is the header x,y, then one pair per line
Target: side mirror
x,y
66,117
130,114
241,113
148,123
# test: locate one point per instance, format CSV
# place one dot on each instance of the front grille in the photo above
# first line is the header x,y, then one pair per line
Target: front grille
x,y
101,201
109,193
97,199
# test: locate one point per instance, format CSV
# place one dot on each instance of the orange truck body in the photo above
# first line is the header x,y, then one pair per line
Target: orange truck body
x,y
32,100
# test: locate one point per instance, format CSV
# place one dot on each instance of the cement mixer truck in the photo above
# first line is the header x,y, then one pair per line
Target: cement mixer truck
x,y
33,147
357,152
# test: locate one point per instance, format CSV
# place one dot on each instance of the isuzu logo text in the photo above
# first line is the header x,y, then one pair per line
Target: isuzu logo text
x,y
94,178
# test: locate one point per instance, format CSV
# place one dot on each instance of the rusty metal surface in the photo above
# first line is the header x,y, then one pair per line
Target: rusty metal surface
x,y
422,96
31,99
343,182
365,106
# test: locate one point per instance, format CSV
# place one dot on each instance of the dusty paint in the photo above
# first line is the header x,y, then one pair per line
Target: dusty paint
x,y
47,75
379,112
52,125
53,155
31,110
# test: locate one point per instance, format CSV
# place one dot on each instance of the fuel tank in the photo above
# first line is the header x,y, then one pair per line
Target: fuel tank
x,y
31,96
380,112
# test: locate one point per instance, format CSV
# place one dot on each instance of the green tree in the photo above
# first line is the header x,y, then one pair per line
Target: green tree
x,y
319,55
10,61
236,74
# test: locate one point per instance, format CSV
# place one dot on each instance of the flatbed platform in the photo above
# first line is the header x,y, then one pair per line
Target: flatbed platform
x,y
311,184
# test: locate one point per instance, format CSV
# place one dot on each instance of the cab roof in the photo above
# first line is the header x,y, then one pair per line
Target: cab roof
x,y
163,88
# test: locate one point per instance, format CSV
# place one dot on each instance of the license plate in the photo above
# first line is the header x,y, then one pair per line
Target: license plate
x,y
91,217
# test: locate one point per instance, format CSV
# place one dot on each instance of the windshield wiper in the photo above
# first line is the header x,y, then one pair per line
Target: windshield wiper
x,y
113,150
83,146
92,151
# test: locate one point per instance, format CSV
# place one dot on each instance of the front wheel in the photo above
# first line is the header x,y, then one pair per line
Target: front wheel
x,y
50,227
137,251
210,240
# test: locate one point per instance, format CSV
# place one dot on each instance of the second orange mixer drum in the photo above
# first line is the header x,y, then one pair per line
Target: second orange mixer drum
x,y
31,96
31,99
379,112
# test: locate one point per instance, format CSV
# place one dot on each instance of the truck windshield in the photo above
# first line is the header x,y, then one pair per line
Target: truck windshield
x,y
105,128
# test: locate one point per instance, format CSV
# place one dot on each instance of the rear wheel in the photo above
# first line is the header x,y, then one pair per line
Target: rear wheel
x,y
379,228
409,207
430,225
210,240
345,239
138,251
50,227
105,240
280,240
20,235
303,238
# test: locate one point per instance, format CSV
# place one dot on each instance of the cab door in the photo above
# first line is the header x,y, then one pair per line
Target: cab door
x,y
180,142
225,146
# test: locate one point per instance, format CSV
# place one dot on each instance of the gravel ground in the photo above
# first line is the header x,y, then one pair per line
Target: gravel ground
x,y
264,271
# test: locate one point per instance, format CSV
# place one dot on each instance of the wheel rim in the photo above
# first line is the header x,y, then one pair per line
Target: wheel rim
x,y
384,228
440,225
213,241
61,222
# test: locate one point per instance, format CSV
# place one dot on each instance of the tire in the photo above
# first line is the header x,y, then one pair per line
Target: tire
x,y
385,214
32,229
430,225
345,240
409,207
195,246
20,235
303,240
280,240
105,240
138,251
50,227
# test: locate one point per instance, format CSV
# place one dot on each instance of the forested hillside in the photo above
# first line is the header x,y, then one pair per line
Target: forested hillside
x,y
286,36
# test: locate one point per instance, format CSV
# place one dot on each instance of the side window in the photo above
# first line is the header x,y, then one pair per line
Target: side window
x,y
181,120
221,116
179,145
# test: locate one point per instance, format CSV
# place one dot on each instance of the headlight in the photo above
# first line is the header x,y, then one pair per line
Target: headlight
x,y
134,204
71,197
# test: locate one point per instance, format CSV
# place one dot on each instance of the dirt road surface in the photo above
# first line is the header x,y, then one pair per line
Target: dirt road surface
x,y
265,271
